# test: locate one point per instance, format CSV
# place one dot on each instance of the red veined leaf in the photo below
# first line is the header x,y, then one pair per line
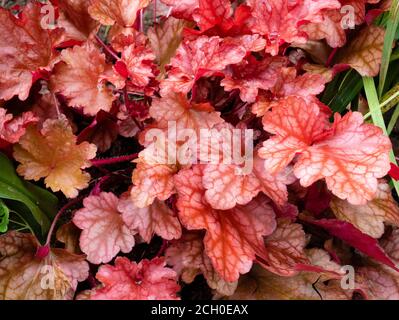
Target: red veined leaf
x,y
27,48
188,258
233,237
104,231
154,219
121,12
126,280
12,129
78,78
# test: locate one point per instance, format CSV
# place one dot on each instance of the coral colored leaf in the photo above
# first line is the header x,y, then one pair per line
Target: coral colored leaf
x,y
364,53
274,186
229,185
104,231
75,19
177,108
279,21
122,12
351,159
52,153
226,186
12,129
233,237
188,258
22,273
370,218
26,48
354,237
138,62
305,86
213,12
330,29
154,219
336,22
285,248
204,57
165,38
182,8
295,124
126,280
78,78
152,181
251,75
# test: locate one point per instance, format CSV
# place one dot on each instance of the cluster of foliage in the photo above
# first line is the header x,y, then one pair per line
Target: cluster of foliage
x,y
79,93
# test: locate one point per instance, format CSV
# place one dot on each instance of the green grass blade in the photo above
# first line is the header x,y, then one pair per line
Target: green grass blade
x,y
390,34
376,115
393,121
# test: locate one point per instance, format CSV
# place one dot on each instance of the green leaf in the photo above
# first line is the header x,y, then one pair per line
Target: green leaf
x,y
393,121
4,217
41,203
349,88
376,115
392,26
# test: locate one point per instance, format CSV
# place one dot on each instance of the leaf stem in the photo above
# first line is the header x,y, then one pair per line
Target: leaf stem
x,y
107,48
58,215
108,161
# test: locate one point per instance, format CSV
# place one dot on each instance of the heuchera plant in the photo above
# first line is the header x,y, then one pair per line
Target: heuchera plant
x,y
223,149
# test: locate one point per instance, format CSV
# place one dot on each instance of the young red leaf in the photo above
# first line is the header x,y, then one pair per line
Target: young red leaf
x,y
147,280
204,57
279,21
20,269
104,231
394,172
251,75
138,63
211,13
354,237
